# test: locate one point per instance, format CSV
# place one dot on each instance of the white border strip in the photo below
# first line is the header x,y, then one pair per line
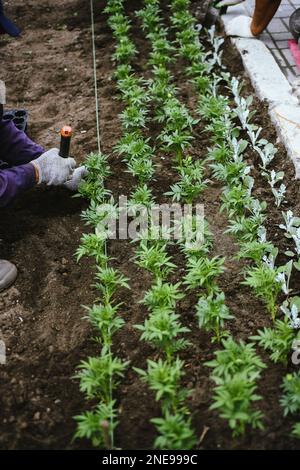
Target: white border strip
x,y
271,85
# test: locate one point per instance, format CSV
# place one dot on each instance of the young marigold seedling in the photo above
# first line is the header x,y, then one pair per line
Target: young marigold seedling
x,y
94,246
235,199
212,313
89,425
98,167
162,75
221,129
255,251
130,84
279,340
162,295
125,51
98,374
213,107
122,72
244,228
231,173
120,29
200,69
180,5
150,16
182,20
155,259
177,142
236,357
109,280
194,244
187,189
134,96
201,82
189,37
118,18
105,319
296,431
141,196
234,397
175,116
154,235
134,117
162,329
190,52
162,53
94,191
164,378
220,153
92,187
142,168
97,213
175,431
290,400
114,7
134,145
263,280
203,273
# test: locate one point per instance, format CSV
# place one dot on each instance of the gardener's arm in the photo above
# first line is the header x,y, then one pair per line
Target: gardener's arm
x,y
30,165
15,147
15,180
17,150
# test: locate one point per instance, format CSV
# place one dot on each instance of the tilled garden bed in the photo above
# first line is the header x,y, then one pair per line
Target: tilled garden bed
x,y
41,316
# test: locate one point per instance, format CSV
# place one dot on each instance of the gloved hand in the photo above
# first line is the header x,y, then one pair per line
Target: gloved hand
x,y
240,26
53,169
228,3
76,179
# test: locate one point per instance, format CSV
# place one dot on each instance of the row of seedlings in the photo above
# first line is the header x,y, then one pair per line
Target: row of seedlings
x,y
162,329
99,376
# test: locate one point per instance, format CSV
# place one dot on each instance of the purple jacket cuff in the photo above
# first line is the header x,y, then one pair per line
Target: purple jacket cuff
x,y
15,180
16,148
16,151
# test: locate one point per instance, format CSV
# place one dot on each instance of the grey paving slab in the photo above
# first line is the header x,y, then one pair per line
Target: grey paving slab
x,y
288,56
267,39
279,44
277,35
277,26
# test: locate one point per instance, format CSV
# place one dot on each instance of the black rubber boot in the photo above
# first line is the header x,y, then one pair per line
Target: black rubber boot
x,y
8,274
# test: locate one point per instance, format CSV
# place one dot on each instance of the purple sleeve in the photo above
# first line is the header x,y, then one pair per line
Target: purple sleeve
x,y
15,180
15,147
17,150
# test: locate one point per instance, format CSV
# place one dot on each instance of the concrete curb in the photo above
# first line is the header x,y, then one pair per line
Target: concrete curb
x,y
271,85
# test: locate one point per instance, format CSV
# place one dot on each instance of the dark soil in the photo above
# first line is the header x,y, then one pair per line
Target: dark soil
x,y
49,72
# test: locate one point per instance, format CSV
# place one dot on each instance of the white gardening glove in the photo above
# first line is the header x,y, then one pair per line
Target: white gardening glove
x,y
76,179
239,26
53,169
228,3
